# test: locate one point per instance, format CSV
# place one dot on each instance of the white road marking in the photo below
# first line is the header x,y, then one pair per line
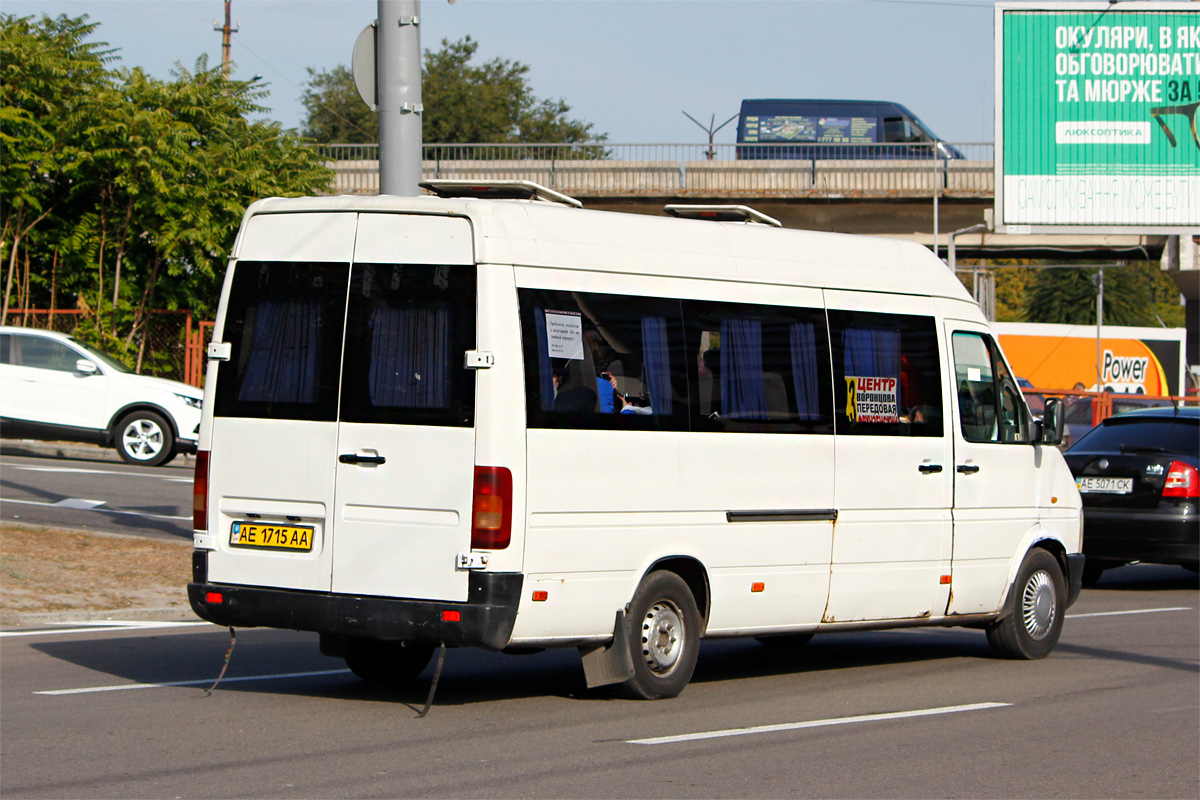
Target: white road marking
x,y
1123,613
82,471
101,510
108,625
817,723
201,682
78,503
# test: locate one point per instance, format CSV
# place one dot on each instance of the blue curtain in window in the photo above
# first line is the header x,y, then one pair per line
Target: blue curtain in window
x,y
283,364
742,390
804,370
545,374
410,357
656,363
871,353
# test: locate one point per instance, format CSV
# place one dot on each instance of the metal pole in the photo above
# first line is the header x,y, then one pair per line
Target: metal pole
x,y
935,204
226,31
398,87
1099,322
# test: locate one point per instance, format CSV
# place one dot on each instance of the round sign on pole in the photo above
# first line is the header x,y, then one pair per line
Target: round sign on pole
x,y
362,66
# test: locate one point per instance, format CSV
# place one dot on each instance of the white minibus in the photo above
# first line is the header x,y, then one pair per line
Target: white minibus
x,y
487,417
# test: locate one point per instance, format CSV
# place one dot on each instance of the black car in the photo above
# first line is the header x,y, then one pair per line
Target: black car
x,y
1137,474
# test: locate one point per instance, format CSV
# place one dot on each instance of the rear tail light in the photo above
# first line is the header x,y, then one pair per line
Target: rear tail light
x,y
1182,481
200,492
491,509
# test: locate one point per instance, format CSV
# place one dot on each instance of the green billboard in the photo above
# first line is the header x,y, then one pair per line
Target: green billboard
x,y
1097,115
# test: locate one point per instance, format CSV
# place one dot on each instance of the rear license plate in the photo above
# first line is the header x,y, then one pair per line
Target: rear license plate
x,y
262,536
1105,485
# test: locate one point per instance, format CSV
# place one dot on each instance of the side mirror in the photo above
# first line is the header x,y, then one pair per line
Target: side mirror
x,y
1053,422
85,367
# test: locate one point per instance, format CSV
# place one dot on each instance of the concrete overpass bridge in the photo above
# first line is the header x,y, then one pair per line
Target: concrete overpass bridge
x,y
892,190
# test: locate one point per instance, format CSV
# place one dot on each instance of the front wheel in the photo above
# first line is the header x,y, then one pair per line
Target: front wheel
x,y
1036,606
145,438
387,663
664,636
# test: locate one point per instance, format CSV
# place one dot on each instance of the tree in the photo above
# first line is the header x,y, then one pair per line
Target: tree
x,y
464,103
136,185
335,112
46,75
1068,296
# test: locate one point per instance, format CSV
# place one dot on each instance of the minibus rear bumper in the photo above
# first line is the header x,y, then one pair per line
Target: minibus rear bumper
x,y
486,620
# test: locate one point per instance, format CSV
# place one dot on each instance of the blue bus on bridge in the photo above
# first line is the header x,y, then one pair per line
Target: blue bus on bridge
x,y
835,129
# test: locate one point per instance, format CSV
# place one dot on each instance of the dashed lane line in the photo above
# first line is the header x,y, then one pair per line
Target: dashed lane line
x,y
78,504
817,723
105,626
1125,613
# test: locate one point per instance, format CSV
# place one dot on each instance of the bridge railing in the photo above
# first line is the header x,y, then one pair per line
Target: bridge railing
x,y
603,169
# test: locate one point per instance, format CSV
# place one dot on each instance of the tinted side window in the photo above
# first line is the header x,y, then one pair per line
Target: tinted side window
x,y
989,400
43,353
603,361
407,329
887,376
758,368
6,348
284,325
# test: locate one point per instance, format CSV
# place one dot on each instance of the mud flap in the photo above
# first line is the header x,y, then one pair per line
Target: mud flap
x,y
610,664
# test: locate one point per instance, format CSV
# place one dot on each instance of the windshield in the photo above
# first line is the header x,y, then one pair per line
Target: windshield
x,y
103,358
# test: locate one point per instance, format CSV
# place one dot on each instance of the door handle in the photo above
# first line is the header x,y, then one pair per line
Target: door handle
x,y
930,469
350,458
968,469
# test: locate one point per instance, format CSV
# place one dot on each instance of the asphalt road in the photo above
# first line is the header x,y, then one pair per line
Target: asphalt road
x,y
1113,712
93,489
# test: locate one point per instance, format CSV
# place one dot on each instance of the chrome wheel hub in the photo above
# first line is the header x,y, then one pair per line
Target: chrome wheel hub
x,y
143,439
662,637
1038,605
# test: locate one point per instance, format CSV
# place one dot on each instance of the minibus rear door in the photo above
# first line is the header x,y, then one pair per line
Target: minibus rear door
x,y
406,436
274,423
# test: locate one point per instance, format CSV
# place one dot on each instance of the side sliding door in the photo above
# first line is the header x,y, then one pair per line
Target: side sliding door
x,y
891,545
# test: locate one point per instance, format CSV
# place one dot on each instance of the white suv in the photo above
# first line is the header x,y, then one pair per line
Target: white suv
x,y
55,387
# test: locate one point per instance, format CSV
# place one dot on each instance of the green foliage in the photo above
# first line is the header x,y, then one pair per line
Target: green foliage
x,y
123,193
1136,294
465,103
335,112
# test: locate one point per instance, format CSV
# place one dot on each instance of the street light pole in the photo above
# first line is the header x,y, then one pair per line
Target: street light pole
x,y
398,88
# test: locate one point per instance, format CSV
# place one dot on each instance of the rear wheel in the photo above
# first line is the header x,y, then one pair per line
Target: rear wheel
x,y
387,662
1036,606
664,636
145,438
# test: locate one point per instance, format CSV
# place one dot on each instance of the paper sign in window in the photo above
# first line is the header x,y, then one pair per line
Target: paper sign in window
x,y
872,399
564,334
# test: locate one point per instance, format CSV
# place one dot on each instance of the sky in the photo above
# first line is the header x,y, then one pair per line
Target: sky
x,y
629,67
